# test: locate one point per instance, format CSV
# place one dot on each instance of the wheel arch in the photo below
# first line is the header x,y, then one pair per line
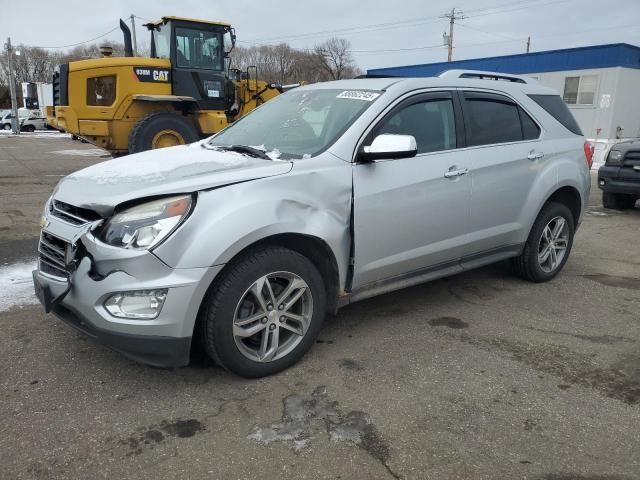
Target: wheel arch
x,y
316,250
569,196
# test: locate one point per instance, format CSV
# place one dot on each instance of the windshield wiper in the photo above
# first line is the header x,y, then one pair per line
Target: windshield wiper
x,y
245,149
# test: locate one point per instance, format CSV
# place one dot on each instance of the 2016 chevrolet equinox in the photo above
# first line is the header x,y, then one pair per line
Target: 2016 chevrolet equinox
x,y
328,194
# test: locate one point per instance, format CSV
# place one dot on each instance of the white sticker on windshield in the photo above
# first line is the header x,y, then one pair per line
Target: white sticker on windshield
x,y
359,95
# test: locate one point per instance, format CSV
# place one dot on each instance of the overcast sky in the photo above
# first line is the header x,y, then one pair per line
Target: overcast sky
x,y
381,32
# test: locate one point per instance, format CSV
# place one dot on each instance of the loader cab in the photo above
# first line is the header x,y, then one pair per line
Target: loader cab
x,y
198,51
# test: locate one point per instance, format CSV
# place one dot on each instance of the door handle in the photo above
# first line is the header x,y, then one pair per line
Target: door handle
x,y
533,155
455,173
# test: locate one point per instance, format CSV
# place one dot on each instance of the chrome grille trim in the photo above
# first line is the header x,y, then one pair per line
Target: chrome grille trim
x,y
53,255
71,214
50,269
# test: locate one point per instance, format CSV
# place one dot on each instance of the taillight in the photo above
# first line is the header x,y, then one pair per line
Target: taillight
x,y
588,153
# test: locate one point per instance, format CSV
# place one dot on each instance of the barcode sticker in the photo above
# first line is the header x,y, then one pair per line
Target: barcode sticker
x,y
359,95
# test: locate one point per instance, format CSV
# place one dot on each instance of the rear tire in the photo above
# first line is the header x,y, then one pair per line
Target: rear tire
x,y
6,126
618,201
160,129
532,264
29,128
235,341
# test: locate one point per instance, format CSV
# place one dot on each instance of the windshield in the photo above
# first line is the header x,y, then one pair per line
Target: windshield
x,y
299,123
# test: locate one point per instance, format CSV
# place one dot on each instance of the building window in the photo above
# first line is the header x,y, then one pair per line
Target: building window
x,y
580,90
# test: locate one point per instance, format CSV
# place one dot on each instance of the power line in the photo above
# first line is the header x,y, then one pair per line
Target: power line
x,y
397,49
399,24
80,43
497,42
508,10
345,31
464,25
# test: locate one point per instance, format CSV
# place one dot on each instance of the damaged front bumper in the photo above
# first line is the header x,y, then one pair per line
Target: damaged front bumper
x,y
97,271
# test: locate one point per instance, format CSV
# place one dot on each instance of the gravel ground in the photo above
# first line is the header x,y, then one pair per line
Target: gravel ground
x,y
478,376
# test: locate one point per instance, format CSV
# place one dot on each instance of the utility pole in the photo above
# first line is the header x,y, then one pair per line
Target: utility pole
x,y
15,121
452,19
528,44
133,30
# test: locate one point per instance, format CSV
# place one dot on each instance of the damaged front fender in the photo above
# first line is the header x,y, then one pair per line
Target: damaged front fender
x,y
313,200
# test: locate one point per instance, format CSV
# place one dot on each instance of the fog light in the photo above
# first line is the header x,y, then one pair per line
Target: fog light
x,y
601,182
140,304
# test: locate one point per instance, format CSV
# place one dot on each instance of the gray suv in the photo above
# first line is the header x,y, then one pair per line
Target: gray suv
x,y
329,194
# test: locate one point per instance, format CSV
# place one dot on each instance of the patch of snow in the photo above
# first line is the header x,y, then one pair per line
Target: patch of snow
x,y
92,152
16,285
157,165
274,154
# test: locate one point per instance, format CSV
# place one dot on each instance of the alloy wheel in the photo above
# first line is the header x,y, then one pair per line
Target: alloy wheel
x,y
272,316
553,244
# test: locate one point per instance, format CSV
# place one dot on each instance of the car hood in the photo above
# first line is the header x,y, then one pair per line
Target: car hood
x,y
174,170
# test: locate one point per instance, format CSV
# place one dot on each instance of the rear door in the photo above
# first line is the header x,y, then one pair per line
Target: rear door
x,y
408,215
504,143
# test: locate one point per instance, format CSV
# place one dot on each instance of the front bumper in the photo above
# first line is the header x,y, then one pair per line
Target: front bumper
x,y
619,180
102,271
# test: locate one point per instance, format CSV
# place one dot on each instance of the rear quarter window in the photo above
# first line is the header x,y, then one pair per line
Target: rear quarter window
x,y
555,106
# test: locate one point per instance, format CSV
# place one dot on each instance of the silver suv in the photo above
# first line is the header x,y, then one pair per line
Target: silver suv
x,y
331,193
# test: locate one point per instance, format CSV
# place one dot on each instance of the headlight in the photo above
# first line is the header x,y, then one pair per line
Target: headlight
x,y
143,226
615,156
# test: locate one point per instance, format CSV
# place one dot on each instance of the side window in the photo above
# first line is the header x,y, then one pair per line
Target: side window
x,y
530,129
101,91
491,121
432,123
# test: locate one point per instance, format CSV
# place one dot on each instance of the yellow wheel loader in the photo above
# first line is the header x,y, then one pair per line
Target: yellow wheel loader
x,y
185,91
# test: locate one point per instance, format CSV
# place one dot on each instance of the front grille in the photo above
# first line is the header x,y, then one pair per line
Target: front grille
x,y
55,255
70,214
632,158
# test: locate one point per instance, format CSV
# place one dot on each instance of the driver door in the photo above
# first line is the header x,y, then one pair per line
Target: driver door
x,y
198,65
412,214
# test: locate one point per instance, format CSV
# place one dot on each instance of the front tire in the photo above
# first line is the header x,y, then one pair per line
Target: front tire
x,y
618,201
160,130
264,312
549,244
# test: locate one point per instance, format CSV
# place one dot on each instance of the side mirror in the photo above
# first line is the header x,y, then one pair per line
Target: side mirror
x,y
389,146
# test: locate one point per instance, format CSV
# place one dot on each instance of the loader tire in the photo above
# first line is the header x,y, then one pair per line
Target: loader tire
x,y
159,130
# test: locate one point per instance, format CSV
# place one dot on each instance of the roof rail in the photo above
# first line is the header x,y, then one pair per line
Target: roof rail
x,y
480,75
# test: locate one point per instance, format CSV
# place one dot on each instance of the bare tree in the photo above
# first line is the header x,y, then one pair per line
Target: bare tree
x,y
334,57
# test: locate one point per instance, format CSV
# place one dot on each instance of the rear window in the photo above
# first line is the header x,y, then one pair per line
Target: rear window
x,y
555,107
